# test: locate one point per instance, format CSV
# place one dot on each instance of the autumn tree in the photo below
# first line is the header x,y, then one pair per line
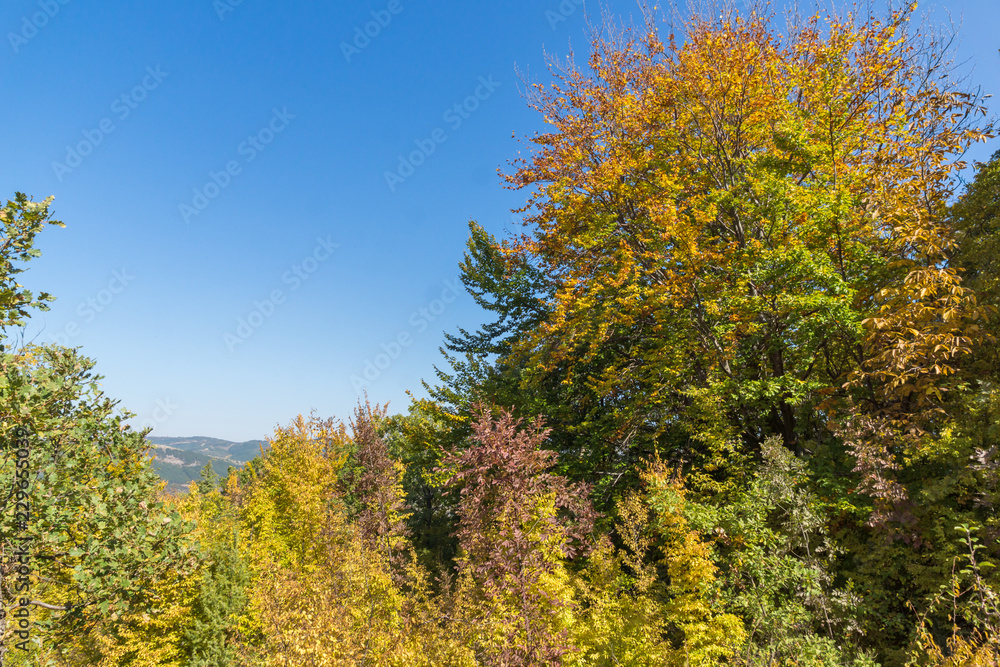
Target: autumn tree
x,y
740,231
517,524
490,366
657,599
752,220
376,482
326,546
80,506
210,635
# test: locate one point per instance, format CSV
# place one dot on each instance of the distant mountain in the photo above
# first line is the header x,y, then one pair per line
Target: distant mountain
x,y
178,468
179,461
236,452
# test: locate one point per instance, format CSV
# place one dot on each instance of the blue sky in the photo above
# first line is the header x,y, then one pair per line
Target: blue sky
x,y
234,253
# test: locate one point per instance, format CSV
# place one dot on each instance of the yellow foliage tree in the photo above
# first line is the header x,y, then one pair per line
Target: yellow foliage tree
x,y
710,635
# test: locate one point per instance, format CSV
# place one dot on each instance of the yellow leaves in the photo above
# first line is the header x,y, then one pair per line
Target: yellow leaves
x,y
616,626
148,640
924,324
288,506
336,614
709,636
670,166
321,594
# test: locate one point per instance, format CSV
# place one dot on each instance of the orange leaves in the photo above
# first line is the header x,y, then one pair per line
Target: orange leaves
x,y
685,182
923,326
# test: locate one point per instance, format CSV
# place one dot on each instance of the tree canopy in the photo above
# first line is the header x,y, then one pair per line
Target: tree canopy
x,y
737,403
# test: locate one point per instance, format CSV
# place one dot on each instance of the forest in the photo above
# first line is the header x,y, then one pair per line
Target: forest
x,y
737,402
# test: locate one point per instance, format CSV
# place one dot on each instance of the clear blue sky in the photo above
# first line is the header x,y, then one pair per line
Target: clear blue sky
x,y
231,151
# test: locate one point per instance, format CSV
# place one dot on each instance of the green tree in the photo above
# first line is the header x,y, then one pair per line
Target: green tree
x,y
101,546
99,535
22,220
208,480
492,365
976,216
209,641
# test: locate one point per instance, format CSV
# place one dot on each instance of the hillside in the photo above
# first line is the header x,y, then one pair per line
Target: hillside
x,y
216,448
178,467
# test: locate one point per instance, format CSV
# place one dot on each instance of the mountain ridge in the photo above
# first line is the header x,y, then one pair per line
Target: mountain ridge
x,y
215,448
178,468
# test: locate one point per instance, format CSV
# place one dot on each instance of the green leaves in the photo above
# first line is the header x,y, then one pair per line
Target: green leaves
x,y
22,219
100,537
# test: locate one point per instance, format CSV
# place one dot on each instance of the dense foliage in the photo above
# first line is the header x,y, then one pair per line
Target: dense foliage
x,y
738,404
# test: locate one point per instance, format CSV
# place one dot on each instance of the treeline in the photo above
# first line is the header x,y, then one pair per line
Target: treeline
x,y
737,403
